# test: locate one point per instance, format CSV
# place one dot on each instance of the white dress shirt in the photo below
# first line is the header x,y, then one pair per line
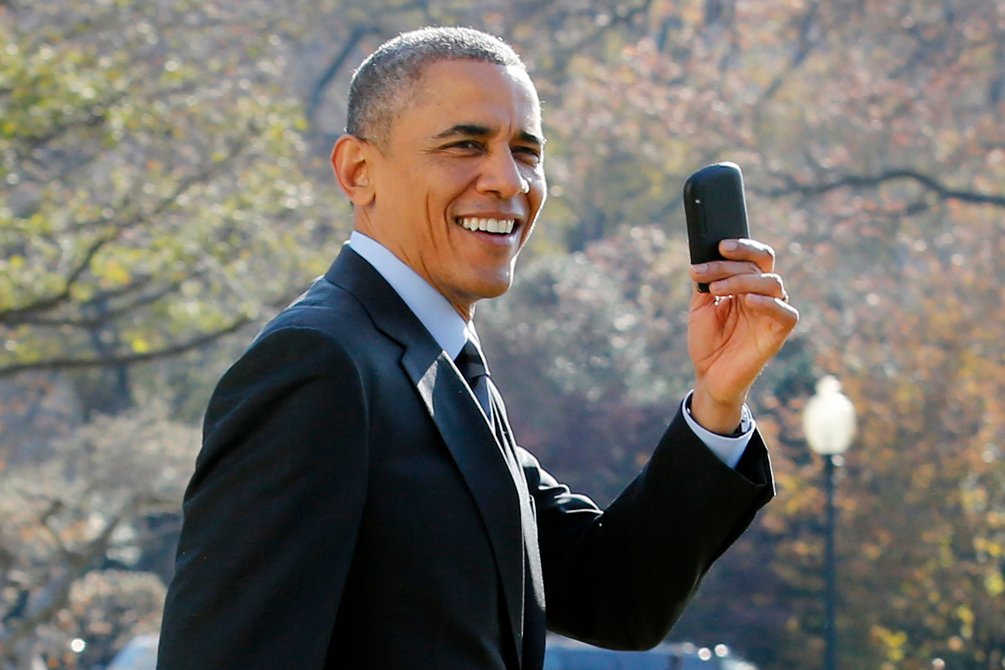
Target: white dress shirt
x,y
450,331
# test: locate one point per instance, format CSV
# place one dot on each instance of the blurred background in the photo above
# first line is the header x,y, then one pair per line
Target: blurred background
x,y
164,190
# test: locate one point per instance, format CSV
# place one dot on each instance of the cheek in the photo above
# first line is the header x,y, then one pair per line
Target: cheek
x,y
448,177
538,194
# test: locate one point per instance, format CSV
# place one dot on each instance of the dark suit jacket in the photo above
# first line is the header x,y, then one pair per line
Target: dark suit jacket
x,y
352,508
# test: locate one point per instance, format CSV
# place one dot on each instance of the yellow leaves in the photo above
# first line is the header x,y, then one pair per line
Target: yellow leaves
x,y
994,583
966,618
986,547
113,272
974,497
893,642
965,615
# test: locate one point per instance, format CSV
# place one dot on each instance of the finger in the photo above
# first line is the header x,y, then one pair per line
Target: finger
x,y
716,270
758,253
777,308
767,284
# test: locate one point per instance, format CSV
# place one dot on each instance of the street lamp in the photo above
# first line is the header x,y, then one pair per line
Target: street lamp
x,y
829,426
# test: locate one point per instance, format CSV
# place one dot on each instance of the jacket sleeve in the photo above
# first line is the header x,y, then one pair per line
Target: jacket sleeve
x,y
621,577
272,512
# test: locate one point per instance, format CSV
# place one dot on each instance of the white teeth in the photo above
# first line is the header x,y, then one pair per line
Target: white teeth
x,y
504,226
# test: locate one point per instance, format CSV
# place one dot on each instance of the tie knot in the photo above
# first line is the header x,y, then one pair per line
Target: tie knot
x,y
472,367
470,362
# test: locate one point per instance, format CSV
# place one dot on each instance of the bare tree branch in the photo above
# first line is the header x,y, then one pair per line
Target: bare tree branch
x,y
622,15
135,302
794,186
55,594
28,144
336,65
803,49
16,315
81,363
55,506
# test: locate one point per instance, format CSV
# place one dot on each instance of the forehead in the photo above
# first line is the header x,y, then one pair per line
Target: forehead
x,y
468,91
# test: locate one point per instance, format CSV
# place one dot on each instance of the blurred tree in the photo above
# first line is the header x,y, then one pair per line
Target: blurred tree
x,y
154,198
151,199
603,332
590,351
870,134
71,523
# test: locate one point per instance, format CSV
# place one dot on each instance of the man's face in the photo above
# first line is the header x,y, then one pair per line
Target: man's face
x,y
460,180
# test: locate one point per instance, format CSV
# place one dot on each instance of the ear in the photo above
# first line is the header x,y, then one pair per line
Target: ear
x,y
353,169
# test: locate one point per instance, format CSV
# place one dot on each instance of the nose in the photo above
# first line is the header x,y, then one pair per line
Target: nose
x,y
501,175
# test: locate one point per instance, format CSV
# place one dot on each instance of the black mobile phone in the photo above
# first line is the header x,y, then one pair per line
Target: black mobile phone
x,y
716,210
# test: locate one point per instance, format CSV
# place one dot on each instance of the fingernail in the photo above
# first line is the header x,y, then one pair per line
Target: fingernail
x,y
729,245
701,268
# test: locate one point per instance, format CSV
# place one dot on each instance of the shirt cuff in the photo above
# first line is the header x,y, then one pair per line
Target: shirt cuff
x,y
728,449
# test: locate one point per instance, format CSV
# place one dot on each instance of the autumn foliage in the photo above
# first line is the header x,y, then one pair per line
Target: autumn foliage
x,y
163,190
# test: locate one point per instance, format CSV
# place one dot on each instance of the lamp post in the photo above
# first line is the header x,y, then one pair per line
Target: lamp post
x,y
829,425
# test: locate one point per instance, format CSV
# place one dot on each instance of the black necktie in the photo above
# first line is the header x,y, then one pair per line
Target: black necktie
x,y
472,367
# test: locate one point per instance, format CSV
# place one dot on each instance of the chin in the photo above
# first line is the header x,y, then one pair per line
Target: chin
x,y
495,288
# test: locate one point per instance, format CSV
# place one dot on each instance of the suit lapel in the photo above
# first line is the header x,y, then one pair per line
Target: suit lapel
x,y
508,445
485,470
479,456
534,604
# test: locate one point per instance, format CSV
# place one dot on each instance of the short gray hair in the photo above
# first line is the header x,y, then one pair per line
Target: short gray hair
x,y
382,84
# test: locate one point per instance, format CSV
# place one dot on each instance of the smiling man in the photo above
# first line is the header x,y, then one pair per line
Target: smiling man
x,y
453,185
360,500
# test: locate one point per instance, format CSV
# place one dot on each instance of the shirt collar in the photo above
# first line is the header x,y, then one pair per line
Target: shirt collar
x,y
433,310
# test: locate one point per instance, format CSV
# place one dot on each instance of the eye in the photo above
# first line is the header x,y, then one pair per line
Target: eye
x,y
468,146
528,154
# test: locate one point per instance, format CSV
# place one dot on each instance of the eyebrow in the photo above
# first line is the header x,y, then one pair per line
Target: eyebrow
x,y
477,130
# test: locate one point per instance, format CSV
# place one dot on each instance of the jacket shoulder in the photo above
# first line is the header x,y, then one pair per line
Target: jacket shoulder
x,y
323,307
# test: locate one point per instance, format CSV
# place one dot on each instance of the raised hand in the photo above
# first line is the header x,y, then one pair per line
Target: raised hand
x,y
735,329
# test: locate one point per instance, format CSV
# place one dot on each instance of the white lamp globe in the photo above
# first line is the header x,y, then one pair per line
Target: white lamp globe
x,y
829,419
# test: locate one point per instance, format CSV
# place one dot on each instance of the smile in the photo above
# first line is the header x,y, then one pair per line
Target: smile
x,y
498,226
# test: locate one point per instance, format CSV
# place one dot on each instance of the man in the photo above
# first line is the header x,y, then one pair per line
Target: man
x,y
360,501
